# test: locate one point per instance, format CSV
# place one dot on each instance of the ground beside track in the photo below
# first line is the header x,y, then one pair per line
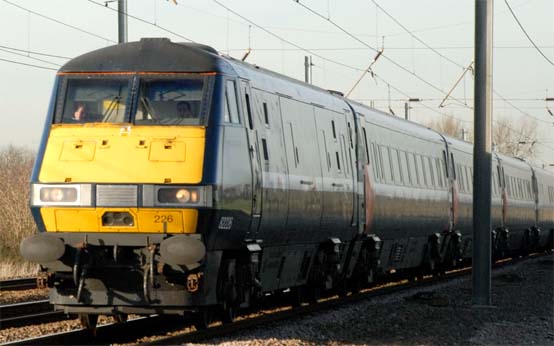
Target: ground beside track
x,y
522,314
18,296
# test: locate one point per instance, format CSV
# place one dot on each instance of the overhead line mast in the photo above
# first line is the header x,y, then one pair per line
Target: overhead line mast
x,y
482,154
122,20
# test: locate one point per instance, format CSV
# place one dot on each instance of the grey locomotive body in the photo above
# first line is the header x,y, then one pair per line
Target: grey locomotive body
x,y
309,191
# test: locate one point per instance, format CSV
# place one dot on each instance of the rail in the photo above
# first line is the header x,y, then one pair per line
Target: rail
x,y
18,284
132,330
28,313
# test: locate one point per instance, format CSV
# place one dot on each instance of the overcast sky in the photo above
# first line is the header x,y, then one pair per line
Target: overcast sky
x,y
521,75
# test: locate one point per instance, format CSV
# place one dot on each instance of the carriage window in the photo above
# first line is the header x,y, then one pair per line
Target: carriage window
x,y
392,159
249,110
381,162
94,100
385,161
463,172
171,102
326,150
231,105
264,147
445,161
376,161
266,114
406,167
366,148
344,155
439,172
294,147
350,136
431,171
509,186
453,166
414,160
376,166
460,176
469,179
422,169
399,164
494,190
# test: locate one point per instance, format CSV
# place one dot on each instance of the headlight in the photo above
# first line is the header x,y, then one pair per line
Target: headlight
x,y
200,196
63,195
177,195
58,194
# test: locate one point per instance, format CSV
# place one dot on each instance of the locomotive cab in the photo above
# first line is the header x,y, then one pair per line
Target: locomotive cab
x,y
123,189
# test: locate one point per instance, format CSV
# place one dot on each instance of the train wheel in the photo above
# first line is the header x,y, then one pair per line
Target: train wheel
x,y
88,321
229,293
202,318
342,288
121,318
356,286
229,312
314,293
297,296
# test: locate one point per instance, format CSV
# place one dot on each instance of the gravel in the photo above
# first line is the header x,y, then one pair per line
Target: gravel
x,y
18,296
521,314
25,332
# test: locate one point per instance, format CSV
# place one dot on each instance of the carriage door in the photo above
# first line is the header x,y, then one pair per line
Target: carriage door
x,y
255,160
450,170
535,187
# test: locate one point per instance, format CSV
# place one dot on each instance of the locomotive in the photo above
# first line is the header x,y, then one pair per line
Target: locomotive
x,y
173,180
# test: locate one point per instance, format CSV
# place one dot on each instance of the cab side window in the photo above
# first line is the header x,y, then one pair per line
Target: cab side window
x,y
231,105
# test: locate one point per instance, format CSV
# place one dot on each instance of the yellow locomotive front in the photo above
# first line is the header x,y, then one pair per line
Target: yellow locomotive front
x,y
101,135
122,187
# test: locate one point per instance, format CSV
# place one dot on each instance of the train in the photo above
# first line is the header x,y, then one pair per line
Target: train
x,y
172,179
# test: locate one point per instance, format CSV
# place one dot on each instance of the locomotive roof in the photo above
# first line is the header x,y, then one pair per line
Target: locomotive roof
x,y
149,54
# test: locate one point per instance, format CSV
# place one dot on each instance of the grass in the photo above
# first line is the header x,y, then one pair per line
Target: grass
x,y
11,269
16,222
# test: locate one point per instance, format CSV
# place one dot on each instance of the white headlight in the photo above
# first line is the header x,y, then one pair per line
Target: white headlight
x,y
200,196
63,195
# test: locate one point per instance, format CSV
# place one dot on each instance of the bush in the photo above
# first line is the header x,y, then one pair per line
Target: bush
x,y
16,222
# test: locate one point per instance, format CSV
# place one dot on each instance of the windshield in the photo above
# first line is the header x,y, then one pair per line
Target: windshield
x,y
95,100
170,102
158,100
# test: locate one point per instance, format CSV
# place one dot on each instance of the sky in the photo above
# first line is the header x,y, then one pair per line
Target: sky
x,y
341,36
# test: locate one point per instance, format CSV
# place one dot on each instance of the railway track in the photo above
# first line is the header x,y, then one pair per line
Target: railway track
x,y
18,284
28,313
132,330
108,333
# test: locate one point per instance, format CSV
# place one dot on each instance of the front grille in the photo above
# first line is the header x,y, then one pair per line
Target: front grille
x,y
116,195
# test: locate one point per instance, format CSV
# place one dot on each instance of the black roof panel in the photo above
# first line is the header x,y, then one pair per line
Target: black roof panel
x,y
149,54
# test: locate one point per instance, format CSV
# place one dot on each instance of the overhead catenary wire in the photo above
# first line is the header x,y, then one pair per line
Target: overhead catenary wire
x,y
30,65
414,36
388,59
143,21
29,57
388,48
526,34
35,52
394,62
285,40
58,21
140,19
327,59
453,62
